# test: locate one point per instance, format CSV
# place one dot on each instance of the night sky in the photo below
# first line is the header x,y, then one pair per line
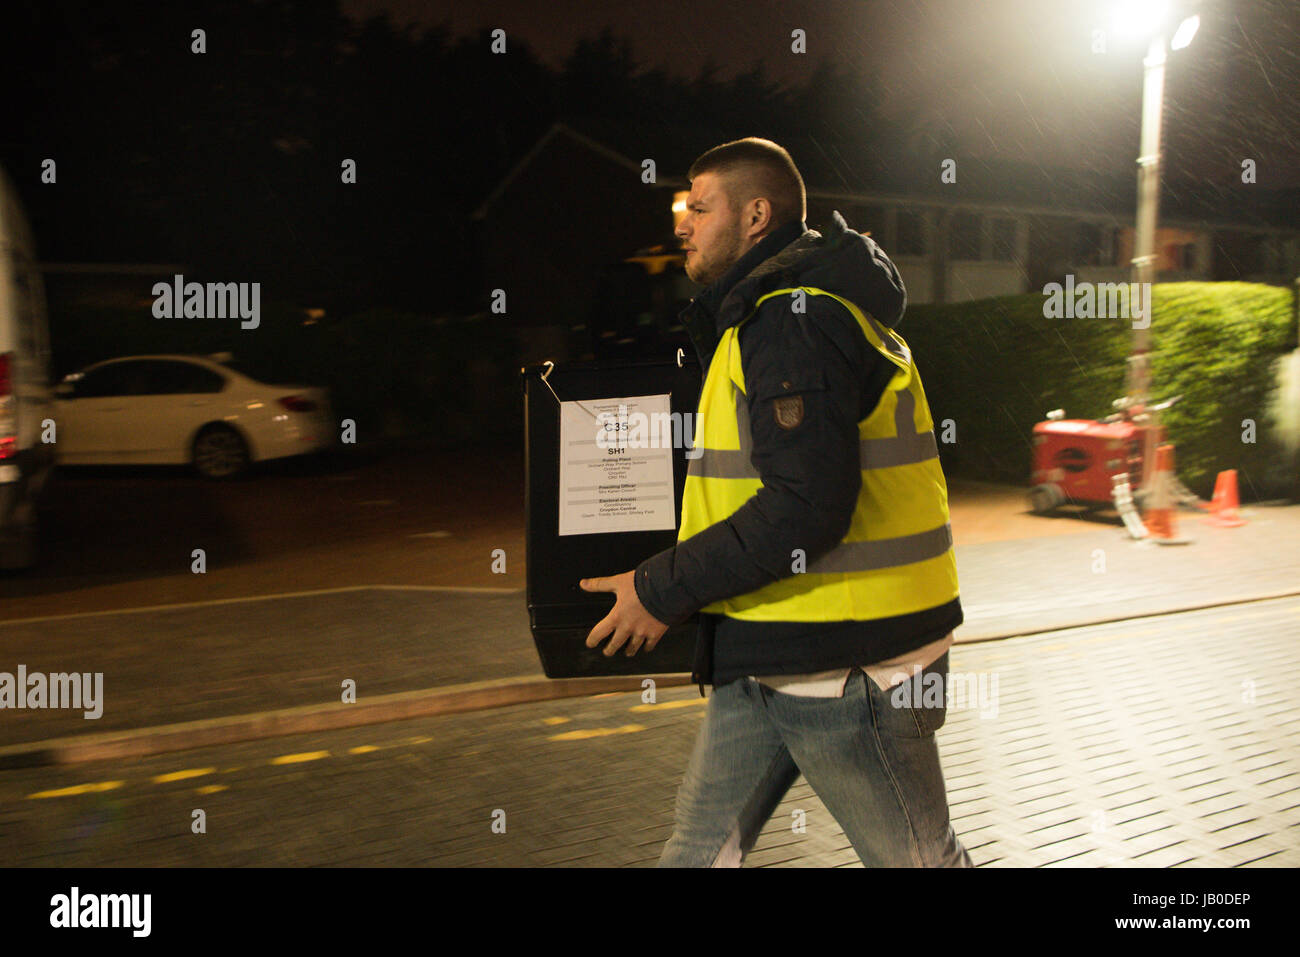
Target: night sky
x,y
1016,79
231,159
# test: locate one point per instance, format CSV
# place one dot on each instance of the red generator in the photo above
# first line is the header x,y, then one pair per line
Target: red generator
x,y
1076,460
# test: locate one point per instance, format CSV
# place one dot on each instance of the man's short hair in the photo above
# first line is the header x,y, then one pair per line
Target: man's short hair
x,y
755,167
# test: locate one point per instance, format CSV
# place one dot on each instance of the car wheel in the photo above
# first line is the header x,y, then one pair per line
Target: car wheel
x,y
220,453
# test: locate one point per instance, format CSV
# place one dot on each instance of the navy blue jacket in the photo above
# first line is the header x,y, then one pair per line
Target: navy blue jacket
x,y
811,474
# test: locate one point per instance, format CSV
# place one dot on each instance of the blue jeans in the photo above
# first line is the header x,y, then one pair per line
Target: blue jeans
x,y
874,765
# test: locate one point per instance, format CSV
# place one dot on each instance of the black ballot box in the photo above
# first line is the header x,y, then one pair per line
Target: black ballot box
x,y
615,478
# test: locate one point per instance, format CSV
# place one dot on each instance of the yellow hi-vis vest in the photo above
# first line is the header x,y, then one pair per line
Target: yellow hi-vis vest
x,y
897,557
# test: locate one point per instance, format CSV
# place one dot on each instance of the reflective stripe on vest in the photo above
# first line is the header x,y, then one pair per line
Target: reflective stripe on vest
x,y
897,556
905,447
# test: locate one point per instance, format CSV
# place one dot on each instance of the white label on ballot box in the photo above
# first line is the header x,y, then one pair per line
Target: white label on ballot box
x,y
616,465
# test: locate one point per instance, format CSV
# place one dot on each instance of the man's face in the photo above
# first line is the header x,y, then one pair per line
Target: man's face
x,y
710,231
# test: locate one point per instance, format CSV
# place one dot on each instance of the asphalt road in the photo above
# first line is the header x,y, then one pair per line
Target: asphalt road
x,y
124,537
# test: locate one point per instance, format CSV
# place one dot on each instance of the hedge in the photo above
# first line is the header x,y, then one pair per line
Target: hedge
x,y
995,367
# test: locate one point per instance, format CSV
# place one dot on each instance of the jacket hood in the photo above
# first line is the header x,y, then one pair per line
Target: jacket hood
x,y
842,261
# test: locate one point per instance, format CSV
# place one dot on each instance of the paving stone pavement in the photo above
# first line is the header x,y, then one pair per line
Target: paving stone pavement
x,y
1034,584
1133,744
1156,742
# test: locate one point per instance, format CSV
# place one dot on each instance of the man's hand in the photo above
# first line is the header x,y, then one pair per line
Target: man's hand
x,y
628,618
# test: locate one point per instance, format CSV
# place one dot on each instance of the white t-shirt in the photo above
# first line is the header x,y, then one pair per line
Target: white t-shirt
x,y
886,674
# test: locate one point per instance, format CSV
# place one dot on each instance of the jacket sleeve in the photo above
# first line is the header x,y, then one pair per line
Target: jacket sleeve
x,y
810,472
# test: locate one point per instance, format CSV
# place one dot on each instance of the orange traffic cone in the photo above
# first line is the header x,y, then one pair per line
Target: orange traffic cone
x,y
1223,508
1161,517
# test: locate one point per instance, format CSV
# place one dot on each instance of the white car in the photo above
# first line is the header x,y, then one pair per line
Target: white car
x,y
173,410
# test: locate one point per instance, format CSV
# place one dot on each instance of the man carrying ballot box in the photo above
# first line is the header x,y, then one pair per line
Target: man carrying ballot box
x,y
814,539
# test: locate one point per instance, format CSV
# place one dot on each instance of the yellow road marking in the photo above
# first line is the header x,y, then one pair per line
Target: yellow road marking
x,y
210,789
554,720
596,733
299,758
689,703
78,789
182,775
418,740
362,749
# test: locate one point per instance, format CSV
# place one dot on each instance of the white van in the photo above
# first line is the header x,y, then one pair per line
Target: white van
x,y
26,398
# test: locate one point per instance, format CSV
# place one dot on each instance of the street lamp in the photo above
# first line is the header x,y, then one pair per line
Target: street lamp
x,y
1186,30
1149,18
